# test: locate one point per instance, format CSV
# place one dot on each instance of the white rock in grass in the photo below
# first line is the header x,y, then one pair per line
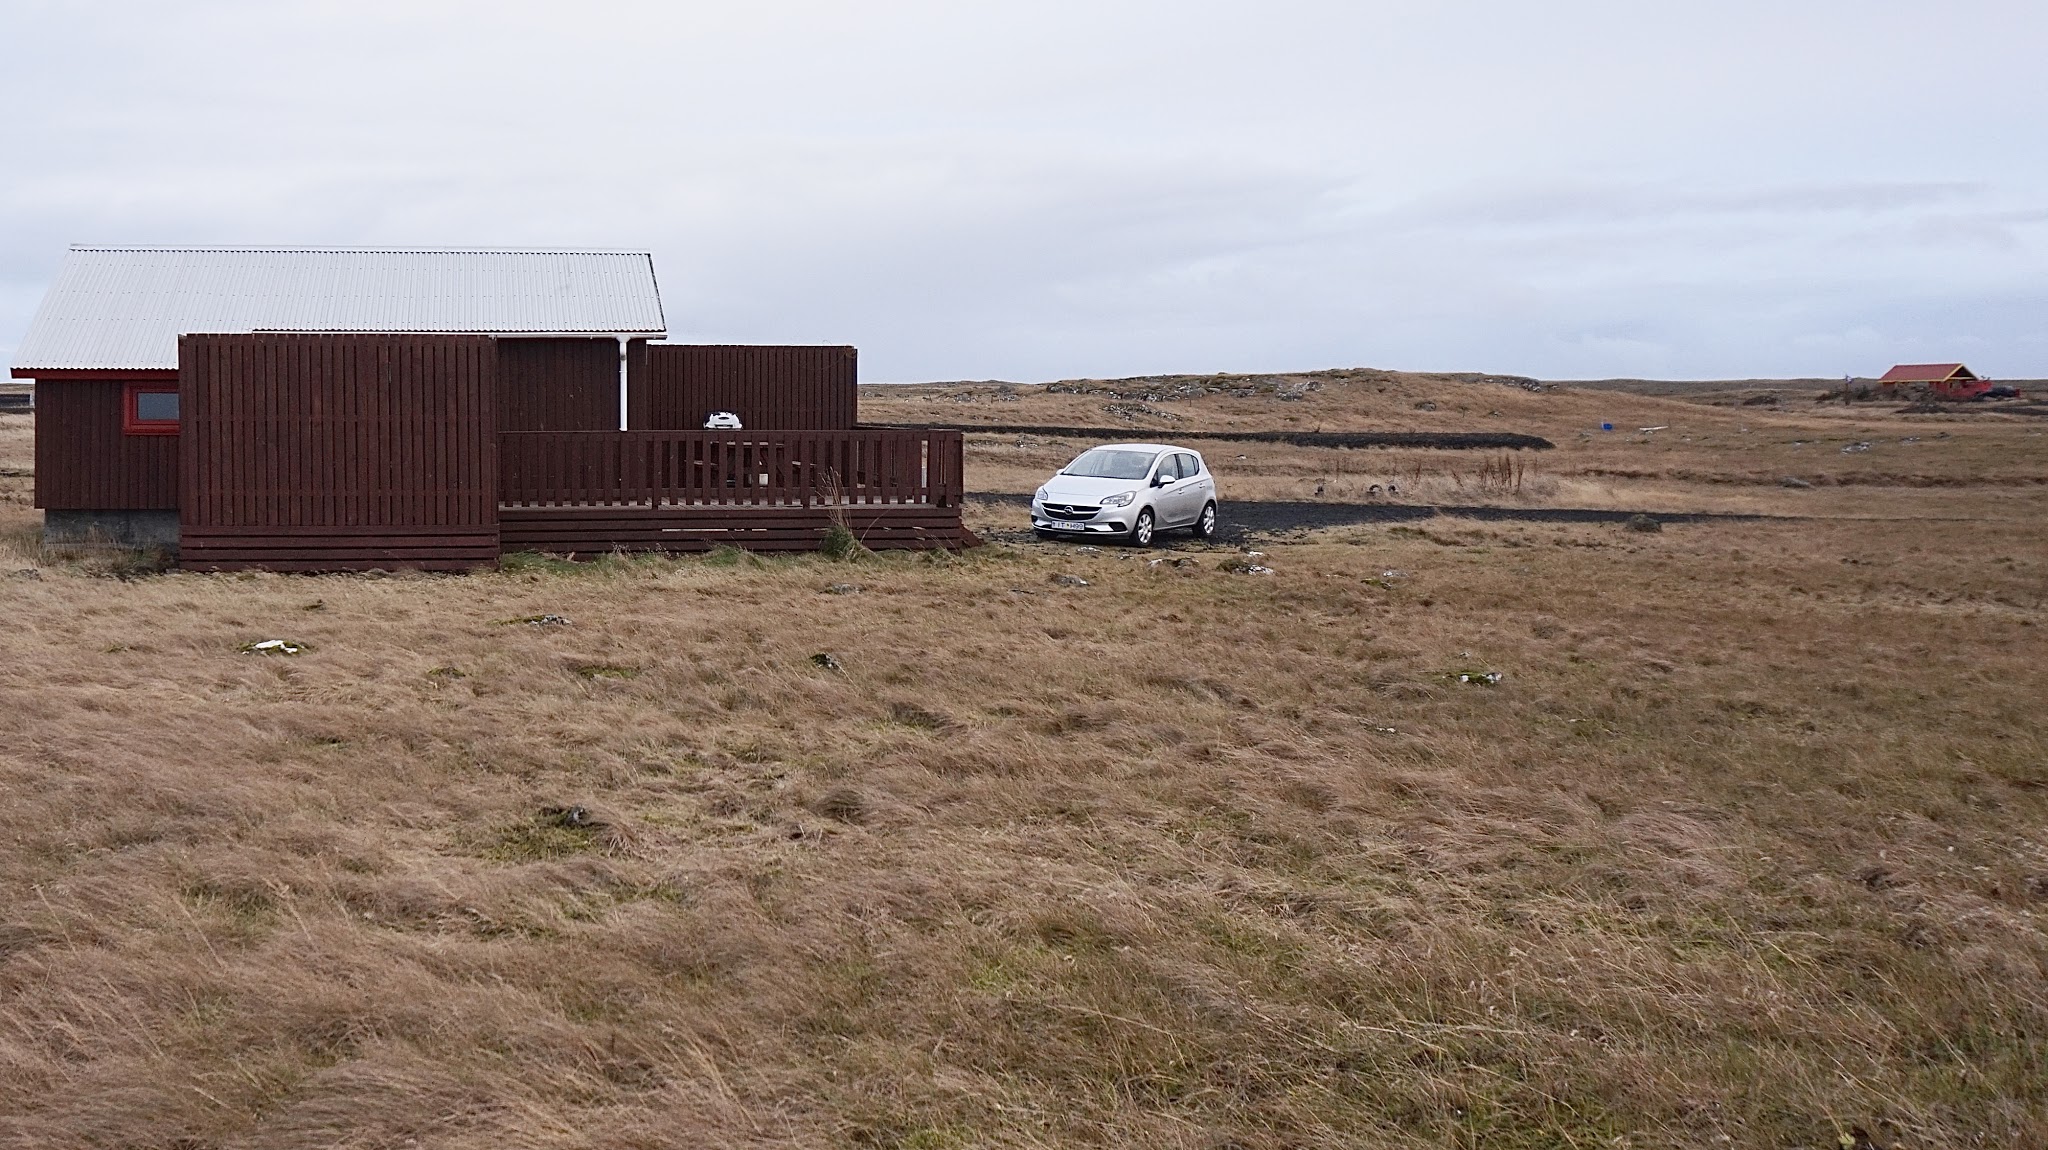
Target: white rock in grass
x,y
273,647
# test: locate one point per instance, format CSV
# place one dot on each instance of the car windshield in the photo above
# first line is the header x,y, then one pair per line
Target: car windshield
x,y
1112,463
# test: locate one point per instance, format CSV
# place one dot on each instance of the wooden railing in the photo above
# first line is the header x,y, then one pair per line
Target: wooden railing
x,y
736,468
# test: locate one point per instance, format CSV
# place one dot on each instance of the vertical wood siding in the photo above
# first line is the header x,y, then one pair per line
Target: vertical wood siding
x,y
335,452
84,462
560,384
770,388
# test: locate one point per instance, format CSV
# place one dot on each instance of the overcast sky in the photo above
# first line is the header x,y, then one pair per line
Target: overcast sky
x,y
1047,189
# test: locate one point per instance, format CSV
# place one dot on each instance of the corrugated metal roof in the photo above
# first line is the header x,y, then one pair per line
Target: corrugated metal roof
x,y
1924,373
126,307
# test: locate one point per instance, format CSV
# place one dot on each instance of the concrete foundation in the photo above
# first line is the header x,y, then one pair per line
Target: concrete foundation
x,y
137,530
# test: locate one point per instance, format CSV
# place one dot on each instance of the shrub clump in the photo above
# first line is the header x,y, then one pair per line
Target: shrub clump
x,y
842,544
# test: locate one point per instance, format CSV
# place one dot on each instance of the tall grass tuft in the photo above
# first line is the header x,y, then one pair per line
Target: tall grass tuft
x,y
842,544
1502,474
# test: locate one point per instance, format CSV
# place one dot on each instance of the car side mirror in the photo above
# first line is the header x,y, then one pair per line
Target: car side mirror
x,y
1163,480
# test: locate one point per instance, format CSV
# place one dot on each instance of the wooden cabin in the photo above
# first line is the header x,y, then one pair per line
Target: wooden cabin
x,y
349,409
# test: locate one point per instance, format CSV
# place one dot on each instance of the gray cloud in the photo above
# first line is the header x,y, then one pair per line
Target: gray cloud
x,y
1035,190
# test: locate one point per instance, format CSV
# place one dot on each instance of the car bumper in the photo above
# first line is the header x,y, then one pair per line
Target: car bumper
x,y
1108,521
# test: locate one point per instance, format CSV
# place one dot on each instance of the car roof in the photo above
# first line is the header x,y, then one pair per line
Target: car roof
x,y
1145,447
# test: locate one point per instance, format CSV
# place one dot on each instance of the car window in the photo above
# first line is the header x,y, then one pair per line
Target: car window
x,y
1106,463
1189,466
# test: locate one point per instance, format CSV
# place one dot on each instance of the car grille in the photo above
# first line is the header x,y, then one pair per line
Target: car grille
x,y
1069,511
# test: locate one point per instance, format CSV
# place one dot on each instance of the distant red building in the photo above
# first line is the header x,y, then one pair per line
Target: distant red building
x,y
1947,380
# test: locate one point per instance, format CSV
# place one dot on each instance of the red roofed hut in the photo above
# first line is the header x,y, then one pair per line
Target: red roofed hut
x,y
1947,380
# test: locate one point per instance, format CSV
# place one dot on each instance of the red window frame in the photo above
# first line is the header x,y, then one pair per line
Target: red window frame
x,y
133,424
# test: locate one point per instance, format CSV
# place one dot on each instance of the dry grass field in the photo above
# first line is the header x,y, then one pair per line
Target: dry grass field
x,y
1704,457
1745,848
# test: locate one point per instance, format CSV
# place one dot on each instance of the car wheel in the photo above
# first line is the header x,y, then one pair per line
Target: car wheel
x,y
1205,527
1141,531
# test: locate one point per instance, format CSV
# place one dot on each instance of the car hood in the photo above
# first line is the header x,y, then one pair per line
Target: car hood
x,y
1082,489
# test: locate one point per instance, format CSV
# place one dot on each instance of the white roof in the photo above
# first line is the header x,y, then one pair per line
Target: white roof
x,y
126,307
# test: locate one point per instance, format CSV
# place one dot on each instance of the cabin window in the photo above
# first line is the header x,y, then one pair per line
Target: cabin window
x,y
150,411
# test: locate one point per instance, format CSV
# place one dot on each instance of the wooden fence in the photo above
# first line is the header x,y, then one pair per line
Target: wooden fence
x,y
693,490
709,468
353,451
337,452
787,388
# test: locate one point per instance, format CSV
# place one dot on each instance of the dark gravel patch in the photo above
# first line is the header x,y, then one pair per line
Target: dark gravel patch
x,y
1438,440
1240,520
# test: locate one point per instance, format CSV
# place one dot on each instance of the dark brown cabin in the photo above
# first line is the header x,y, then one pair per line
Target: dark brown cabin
x,y
329,410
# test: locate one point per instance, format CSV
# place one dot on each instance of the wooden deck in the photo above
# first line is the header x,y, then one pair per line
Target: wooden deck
x,y
339,452
729,469
587,530
284,498
593,491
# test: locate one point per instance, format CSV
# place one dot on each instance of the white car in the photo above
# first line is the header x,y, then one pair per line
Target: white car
x,y
1130,491
721,421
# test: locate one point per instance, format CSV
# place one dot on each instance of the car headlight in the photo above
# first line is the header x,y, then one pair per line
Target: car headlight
x,y
1121,499
1039,495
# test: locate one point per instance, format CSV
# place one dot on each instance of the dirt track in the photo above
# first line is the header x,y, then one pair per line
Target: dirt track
x,y
1438,440
1246,520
